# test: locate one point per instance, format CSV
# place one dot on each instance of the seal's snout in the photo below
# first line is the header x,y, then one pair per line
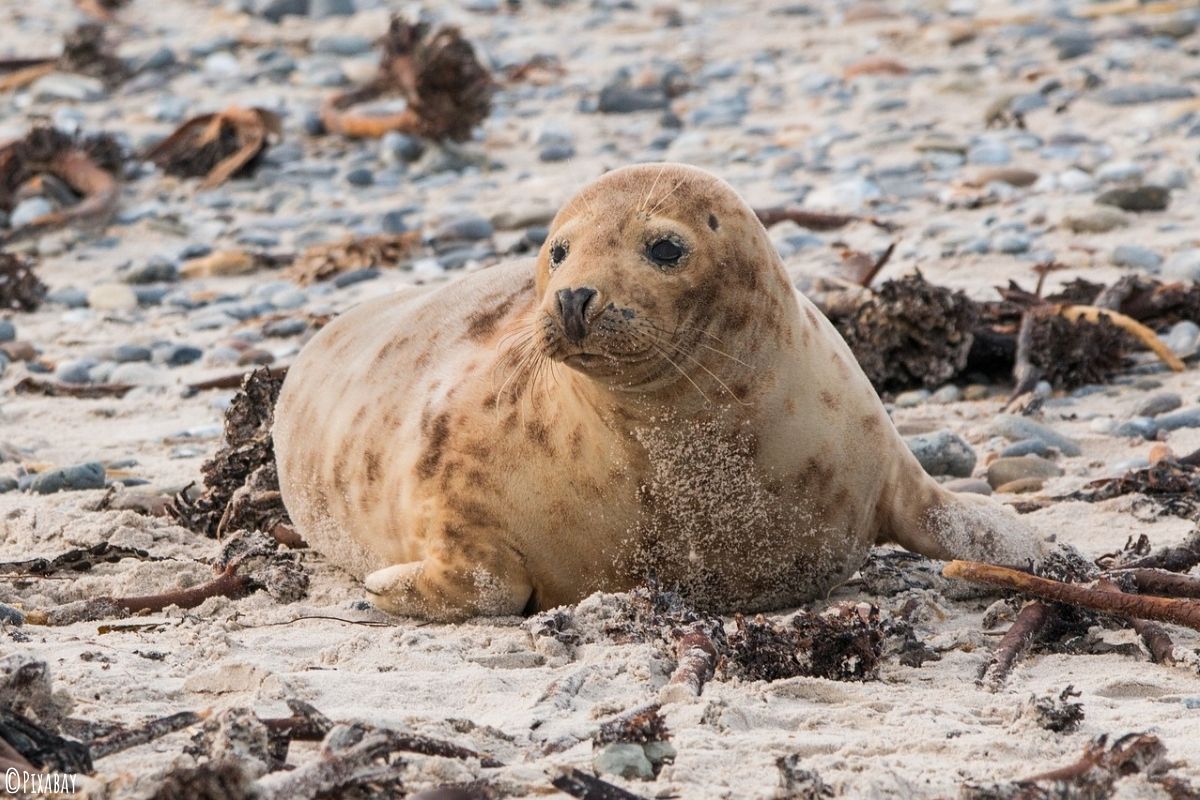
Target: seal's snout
x,y
572,309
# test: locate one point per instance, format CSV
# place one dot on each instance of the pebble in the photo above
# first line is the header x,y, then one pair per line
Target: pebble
x,y
112,297
1143,427
73,478
1188,418
624,759
177,355
283,328
342,44
356,276
360,177
1016,428
8,614
912,398
1106,426
1139,198
1021,486
66,86
222,66
1142,93
1006,470
275,10
1183,339
621,98
28,210
1135,256
1159,403
401,148
1183,265
136,373
1099,220
464,228
288,299
943,453
323,9
990,153
8,331
1026,447
74,371
946,394
1120,172
968,485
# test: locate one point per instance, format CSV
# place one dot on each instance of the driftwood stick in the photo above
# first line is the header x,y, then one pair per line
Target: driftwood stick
x,y
1161,609
697,660
1161,582
814,220
146,732
232,381
1028,625
588,787
1157,640
228,584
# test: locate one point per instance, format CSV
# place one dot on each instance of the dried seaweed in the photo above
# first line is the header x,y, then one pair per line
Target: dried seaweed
x,y
86,52
20,287
639,726
76,560
217,147
798,783
911,333
89,166
241,483
42,747
448,91
1094,775
1072,353
1058,713
844,643
1172,487
223,780
324,261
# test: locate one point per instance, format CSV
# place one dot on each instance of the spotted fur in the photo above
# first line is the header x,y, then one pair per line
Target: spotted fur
x,y
456,448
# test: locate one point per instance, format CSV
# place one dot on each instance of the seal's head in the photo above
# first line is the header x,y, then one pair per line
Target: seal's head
x,y
655,271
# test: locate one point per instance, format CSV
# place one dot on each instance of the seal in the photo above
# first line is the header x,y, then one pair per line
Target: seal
x,y
651,397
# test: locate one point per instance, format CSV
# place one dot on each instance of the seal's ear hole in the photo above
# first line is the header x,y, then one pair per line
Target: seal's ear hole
x,y
558,252
712,222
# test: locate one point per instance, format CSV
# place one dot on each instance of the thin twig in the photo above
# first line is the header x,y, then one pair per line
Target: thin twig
x,y
588,787
815,220
146,732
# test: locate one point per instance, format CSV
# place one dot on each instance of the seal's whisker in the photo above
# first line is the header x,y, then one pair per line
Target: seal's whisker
x,y
650,192
680,351
663,199
681,371
701,344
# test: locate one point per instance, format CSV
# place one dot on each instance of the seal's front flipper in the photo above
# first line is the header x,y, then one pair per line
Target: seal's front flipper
x,y
940,524
432,589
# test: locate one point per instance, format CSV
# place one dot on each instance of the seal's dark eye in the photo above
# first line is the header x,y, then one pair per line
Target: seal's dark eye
x,y
664,251
557,253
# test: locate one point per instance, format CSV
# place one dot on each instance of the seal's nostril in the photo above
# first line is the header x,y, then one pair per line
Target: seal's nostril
x,y
572,308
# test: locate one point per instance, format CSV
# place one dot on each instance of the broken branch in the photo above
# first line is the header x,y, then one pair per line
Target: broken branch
x,y
588,787
697,659
1162,609
1028,625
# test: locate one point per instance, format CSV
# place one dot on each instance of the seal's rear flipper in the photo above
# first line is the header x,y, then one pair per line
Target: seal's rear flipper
x,y
943,525
431,589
